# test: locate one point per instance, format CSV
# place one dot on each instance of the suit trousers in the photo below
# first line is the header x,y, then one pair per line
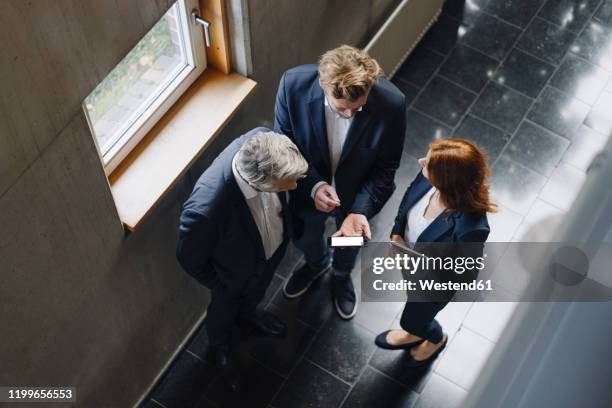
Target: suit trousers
x,y
418,318
227,306
313,244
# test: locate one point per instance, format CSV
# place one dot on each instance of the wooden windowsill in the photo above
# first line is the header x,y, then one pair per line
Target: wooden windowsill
x,y
175,142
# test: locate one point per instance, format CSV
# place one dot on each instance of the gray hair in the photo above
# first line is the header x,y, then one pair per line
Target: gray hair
x,y
270,156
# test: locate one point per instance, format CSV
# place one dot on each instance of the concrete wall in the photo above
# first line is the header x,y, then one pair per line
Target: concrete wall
x,y
82,304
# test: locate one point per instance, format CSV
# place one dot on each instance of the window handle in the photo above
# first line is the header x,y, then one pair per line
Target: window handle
x,y
199,20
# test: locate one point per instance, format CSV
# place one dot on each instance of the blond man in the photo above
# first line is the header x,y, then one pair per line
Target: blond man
x,y
349,123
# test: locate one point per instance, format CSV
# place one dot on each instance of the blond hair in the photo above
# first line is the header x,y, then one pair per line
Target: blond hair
x,y
270,156
348,72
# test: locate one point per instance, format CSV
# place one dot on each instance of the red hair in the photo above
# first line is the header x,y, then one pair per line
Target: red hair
x,y
459,170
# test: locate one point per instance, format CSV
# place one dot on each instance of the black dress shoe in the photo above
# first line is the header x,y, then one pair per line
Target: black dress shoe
x,y
344,297
264,323
301,280
223,360
412,363
381,341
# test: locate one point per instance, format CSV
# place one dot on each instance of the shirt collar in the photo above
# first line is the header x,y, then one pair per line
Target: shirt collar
x,y
247,191
326,103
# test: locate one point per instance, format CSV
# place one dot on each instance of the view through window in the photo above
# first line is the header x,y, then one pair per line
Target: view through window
x,y
132,92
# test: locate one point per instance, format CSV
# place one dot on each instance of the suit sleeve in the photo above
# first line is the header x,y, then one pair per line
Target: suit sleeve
x,y
379,186
282,124
197,237
471,245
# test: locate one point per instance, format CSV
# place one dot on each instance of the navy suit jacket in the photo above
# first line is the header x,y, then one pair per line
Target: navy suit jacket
x,y
218,237
454,234
454,227
372,150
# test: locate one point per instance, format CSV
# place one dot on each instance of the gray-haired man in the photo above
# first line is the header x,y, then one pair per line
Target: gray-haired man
x,y
233,234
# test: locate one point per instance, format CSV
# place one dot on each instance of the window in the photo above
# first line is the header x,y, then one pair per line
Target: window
x,y
145,84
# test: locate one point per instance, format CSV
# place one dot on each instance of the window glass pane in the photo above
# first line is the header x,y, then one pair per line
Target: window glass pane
x,y
131,87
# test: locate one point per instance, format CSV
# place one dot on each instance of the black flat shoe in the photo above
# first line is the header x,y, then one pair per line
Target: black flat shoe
x,y
301,280
381,341
412,363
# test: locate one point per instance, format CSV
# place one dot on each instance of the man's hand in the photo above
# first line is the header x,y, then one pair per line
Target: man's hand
x,y
326,198
354,225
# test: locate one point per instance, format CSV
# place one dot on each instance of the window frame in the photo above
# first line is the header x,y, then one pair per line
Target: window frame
x,y
134,131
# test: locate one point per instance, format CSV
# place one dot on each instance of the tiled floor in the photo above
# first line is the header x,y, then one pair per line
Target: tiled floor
x,y
529,81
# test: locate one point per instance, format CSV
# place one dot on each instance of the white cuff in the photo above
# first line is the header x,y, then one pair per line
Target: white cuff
x,y
315,188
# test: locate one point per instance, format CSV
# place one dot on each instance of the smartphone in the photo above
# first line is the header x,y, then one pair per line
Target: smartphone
x,y
346,242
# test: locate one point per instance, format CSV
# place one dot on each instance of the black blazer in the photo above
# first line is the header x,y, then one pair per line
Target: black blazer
x,y
218,238
453,227
371,153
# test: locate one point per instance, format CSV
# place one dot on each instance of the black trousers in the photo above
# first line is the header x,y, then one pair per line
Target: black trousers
x,y
418,318
228,306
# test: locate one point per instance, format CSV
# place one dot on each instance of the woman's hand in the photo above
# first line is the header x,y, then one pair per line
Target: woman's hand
x,y
398,239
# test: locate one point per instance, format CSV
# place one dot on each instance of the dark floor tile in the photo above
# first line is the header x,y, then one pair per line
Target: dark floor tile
x,y
515,186
183,385
377,390
580,78
342,348
407,171
392,363
281,354
468,68
485,136
309,386
558,111
524,73
595,45
260,386
600,118
150,404
491,36
547,41
443,35
291,261
444,101
570,14
410,91
501,106
604,13
466,13
536,148
312,308
517,12
420,131
420,66
441,393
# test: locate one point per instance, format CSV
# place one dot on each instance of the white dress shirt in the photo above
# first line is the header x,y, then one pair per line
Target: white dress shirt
x,y
266,210
337,128
417,223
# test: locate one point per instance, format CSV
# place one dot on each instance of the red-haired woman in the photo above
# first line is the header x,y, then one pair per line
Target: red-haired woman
x,y
447,203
